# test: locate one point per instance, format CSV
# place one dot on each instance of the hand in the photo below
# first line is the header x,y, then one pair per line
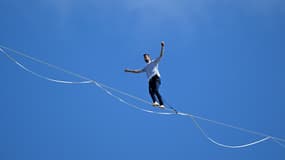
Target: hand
x,y
127,70
162,43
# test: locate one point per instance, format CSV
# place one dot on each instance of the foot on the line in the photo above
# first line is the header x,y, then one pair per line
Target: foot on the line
x,y
162,106
155,104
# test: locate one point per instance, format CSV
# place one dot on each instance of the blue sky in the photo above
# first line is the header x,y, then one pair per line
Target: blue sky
x,y
224,60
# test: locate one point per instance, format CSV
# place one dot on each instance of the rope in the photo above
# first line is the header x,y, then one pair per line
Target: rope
x,y
227,146
41,76
109,90
278,142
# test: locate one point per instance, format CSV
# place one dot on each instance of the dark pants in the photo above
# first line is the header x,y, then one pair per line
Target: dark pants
x,y
153,87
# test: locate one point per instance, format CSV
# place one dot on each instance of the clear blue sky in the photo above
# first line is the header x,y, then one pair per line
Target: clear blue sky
x,y
224,60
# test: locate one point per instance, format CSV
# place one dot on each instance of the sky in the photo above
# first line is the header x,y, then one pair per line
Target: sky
x,y
224,60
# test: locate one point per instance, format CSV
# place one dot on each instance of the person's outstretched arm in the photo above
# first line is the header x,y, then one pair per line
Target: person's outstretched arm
x,y
134,71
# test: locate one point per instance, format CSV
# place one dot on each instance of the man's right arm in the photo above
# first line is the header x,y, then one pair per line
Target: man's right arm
x,y
134,71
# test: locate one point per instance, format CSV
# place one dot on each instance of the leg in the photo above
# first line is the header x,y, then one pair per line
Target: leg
x,y
151,90
156,91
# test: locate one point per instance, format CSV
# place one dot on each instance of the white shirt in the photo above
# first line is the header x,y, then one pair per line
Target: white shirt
x,y
151,68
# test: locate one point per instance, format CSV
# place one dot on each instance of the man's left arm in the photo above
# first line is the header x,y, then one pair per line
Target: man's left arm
x,y
161,52
162,49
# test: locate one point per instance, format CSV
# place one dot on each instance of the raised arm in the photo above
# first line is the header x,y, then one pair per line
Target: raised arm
x,y
162,49
161,53
134,71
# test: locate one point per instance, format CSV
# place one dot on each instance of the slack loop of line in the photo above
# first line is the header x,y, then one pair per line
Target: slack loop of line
x,y
110,91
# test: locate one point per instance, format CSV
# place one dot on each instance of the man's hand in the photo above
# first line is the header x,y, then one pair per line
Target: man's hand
x,y
127,70
162,43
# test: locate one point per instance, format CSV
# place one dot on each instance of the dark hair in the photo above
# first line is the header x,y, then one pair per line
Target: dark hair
x,y
146,54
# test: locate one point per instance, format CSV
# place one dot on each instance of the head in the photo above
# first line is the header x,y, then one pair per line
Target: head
x,y
146,57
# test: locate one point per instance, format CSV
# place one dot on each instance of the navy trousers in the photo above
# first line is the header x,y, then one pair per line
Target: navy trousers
x,y
153,86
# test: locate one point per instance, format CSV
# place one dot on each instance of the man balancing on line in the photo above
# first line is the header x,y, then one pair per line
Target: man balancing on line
x,y
153,76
